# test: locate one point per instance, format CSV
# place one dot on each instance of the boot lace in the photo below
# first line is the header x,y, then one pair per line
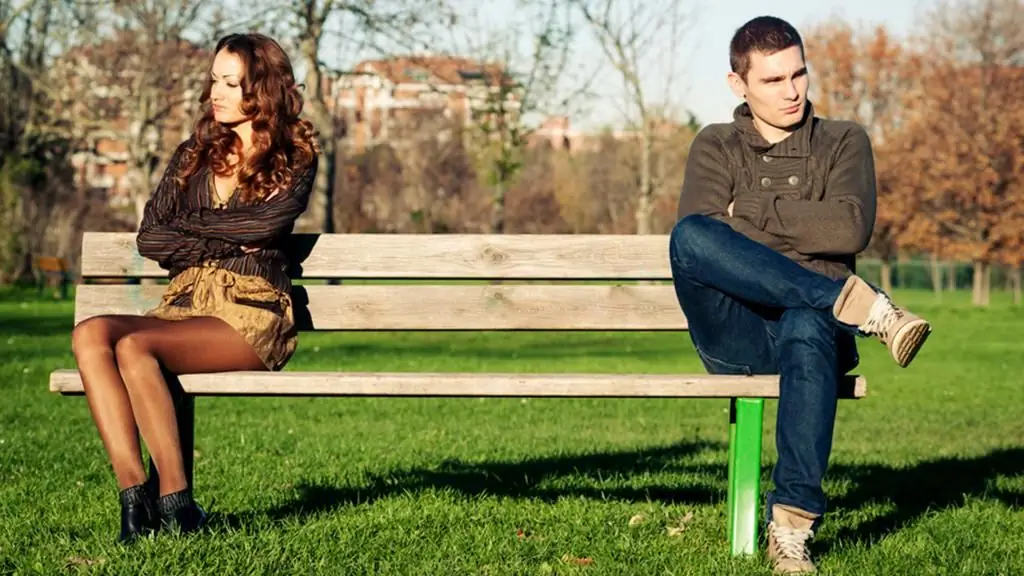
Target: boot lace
x,y
882,317
792,542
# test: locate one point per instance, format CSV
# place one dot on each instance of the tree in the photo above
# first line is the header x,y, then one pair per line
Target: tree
x,y
376,25
520,90
640,39
132,77
40,209
967,128
863,76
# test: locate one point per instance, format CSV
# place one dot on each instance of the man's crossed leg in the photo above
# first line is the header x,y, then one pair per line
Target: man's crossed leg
x,y
752,310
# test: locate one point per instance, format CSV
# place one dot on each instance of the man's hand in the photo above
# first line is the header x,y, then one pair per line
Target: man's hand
x,y
730,208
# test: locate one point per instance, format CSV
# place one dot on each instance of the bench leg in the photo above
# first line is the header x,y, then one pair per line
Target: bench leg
x,y
185,408
745,421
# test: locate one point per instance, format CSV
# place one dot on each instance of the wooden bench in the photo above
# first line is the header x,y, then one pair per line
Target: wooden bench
x,y
555,305
52,271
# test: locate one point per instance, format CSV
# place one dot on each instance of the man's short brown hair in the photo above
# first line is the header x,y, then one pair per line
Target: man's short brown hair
x,y
765,34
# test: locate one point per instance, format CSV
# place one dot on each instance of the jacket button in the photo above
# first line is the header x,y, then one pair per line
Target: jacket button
x,y
766,181
793,180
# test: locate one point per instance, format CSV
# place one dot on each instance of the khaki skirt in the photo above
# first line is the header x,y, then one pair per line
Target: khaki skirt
x,y
259,312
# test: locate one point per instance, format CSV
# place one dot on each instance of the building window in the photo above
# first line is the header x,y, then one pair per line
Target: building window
x,y
418,75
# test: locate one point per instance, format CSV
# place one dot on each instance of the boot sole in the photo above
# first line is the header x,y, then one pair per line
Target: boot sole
x,y
909,341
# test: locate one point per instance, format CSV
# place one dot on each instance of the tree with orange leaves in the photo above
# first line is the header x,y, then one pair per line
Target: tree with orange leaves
x,y
963,143
862,76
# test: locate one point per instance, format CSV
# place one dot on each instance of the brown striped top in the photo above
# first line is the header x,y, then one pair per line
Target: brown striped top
x,y
183,228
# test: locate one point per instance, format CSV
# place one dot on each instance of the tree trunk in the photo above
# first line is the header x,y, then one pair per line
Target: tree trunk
x,y
886,275
498,209
1015,281
140,183
980,283
951,283
986,286
644,204
142,154
320,210
936,275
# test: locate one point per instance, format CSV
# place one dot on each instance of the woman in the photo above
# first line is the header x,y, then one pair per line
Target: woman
x,y
217,220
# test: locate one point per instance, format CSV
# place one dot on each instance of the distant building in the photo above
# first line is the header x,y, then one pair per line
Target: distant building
x,y
101,95
557,133
383,100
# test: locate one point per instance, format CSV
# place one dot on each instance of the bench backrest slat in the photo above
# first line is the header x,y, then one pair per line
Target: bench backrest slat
x,y
554,300
427,256
412,307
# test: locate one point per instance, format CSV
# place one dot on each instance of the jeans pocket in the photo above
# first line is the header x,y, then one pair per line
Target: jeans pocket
x,y
715,366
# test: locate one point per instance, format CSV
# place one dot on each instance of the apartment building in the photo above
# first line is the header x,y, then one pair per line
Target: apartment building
x,y
115,97
388,100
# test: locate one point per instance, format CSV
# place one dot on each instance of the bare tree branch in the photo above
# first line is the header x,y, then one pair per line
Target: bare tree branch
x,y
632,36
533,82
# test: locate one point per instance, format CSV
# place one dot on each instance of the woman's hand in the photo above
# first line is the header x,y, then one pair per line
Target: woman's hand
x,y
249,249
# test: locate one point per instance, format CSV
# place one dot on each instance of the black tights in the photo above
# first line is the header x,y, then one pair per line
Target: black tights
x,y
122,359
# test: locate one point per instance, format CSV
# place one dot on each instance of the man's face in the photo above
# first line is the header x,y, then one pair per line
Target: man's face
x,y
775,87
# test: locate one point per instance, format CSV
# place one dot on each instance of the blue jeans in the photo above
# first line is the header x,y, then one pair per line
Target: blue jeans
x,y
752,310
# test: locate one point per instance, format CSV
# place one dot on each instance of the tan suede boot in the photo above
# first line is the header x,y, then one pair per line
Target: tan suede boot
x,y
875,315
788,533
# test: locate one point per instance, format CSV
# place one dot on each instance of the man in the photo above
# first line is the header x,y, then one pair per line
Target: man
x,y
774,208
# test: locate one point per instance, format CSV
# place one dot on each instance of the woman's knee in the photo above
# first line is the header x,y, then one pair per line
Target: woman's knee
x,y
96,333
132,347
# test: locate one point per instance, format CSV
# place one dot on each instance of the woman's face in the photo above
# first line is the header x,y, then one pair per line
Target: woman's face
x,y
226,90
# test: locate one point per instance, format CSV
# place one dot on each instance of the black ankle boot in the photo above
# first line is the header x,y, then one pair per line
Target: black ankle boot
x,y
138,514
180,513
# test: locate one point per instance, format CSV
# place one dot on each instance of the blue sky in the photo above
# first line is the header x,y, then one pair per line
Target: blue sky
x,y
708,94
702,53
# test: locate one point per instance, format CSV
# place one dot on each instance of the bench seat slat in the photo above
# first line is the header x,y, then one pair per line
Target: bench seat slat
x,y
508,256
434,307
473,384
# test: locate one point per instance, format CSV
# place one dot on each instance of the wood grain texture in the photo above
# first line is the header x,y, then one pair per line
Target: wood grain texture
x,y
426,256
474,385
453,307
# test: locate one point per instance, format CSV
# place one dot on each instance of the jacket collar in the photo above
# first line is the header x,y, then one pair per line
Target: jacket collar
x,y
798,144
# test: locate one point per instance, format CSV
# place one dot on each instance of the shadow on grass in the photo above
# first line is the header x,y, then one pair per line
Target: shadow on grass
x,y
927,486
42,326
517,479
913,490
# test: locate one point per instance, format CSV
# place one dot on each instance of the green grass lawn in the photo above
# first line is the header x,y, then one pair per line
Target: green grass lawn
x,y
927,474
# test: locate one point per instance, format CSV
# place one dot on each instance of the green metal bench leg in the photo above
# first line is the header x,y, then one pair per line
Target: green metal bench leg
x,y
745,421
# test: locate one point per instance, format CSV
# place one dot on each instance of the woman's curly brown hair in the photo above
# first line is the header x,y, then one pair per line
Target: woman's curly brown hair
x,y
283,143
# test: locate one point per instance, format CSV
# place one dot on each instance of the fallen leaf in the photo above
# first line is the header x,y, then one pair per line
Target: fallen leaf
x,y
680,526
569,559
79,561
